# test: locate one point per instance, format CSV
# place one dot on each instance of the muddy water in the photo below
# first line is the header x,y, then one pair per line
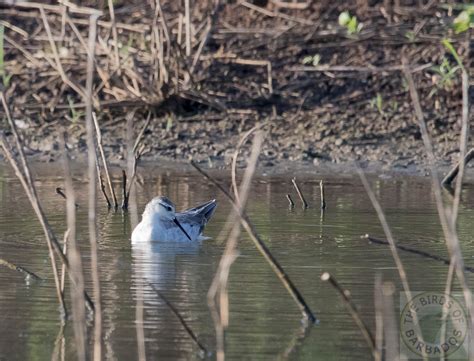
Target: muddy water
x,y
264,321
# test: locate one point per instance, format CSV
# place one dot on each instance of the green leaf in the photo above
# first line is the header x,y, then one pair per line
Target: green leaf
x,y
447,44
344,18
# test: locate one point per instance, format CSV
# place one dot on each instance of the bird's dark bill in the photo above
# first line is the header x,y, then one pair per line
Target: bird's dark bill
x,y
181,227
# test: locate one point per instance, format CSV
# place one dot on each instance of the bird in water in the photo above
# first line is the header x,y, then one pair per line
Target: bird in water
x,y
161,223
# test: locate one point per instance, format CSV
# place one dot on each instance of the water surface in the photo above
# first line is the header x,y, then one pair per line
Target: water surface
x,y
264,321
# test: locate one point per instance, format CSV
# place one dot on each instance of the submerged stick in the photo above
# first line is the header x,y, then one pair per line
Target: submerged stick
x,y
102,188
346,299
262,248
300,194
17,268
291,204
323,201
181,319
418,252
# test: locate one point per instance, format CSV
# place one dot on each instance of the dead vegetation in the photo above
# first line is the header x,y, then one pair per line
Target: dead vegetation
x,y
210,70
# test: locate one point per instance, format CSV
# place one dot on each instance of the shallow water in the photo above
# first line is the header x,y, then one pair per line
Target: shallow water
x,y
264,321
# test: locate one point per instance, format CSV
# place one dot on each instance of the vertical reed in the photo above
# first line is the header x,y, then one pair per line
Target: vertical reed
x,y
92,173
75,263
30,189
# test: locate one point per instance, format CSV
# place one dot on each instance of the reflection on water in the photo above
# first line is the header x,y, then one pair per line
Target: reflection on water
x,y
264,321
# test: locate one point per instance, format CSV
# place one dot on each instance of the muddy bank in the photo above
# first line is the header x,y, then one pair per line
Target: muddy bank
x,y
329,95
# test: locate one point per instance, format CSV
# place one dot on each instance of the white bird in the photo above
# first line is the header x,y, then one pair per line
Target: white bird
x,y
161,222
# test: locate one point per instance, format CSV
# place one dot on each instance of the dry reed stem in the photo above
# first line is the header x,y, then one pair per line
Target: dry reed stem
x,y
27,181
378,310
187,16
63,268
17,268
75,262
114,34
463,160
241,142
92,175
449,229
141,134
300,194
262,248
32,195
181,319
218,288
104,160
393,248
346,299
59,68
390,324
133,209
464,138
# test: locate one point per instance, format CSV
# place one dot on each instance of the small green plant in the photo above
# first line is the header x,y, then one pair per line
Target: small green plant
x,y
5,77
313,60
351,23
464,20
446,74
75,115
411,36
377,102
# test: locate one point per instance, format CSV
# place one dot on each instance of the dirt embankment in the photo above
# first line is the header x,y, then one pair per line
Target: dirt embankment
x,y
329,92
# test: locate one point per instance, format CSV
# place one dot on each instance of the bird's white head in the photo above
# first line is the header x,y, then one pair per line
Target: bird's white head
x,y
162,207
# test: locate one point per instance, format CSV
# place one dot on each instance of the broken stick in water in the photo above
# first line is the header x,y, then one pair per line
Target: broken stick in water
x,y
455,170
346,299
290,201
21,269
300,194
323,201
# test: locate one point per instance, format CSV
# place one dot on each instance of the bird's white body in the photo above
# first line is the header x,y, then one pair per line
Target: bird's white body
x,y
161,223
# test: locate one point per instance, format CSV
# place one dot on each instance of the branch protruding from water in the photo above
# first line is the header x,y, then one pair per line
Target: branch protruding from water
x,y
346,299
300,194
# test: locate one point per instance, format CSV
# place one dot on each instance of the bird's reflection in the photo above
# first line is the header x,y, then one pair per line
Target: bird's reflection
x,y
156,263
